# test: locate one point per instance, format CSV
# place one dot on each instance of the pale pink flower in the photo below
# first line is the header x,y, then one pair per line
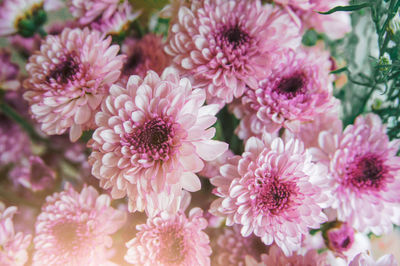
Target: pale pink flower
x,y
226,46
33,174
232,248
143,55
74,228
89,10
154,133
171,239
273,190
211,168
8,72
13,251
363,259
298,90
366,170
276,257
68,79
297,4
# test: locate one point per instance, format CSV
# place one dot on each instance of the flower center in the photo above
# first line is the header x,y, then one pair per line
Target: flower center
x,y
172,246
133,62
291,86
366,172
232,37
65,70
274,196
153,139
68,235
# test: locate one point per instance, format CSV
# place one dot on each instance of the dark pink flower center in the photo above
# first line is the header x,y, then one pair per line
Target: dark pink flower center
x,y
291,86
133,61
234,36
366,172
69,235
232,40
273,196
172,246
154,139
64,71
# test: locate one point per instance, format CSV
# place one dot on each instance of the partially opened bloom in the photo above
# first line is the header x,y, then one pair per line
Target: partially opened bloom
x,y
151,134
68,79
171,239
298,90
366,170
8,72
228,45
13,251
74,228
273,190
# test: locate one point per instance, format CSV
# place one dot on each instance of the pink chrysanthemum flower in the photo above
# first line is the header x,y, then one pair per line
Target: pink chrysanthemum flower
x,y
144,55
33,174
211,169
8,72
232,248
275,256
14,143
13,245
69,78
273,190
363,259
298,90
89,10
228,45
153,133
74,228
366,170
171,239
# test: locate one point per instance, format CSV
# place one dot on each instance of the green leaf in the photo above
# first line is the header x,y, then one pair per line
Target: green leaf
x,y
346,8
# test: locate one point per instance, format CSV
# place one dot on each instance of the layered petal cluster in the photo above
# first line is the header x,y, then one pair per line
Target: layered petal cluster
x,y
74,228
171,239
366,259
366,172
152,134
273,190
143,55
298,90
275,256
13,245
228,45
8,72
68,79
89,10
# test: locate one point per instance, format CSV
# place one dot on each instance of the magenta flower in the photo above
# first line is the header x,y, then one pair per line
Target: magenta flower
x,y
366,170
143,55
228,45
340,238
154,133
74,228
273,190
8,72
298,90
69,78
13,245
171,239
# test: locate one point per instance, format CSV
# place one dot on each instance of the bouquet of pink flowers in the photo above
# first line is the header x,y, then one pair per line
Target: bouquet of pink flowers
x,y
200,132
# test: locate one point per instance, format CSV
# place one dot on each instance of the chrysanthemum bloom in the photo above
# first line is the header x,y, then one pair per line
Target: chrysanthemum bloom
x,y
153,133
8,72
33,174
273,190
211,168
68,79
298,90
228,45
14,143
365,259
366,170
275,256
74,228
171,239
89,10
13,245
232,248
144,55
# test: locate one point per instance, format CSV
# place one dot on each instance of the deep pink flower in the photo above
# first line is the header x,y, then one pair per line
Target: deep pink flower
x,y
273,190
298,90
13,251
366,170
8,72
228,45
340,238
74,228
143,55
154,133
69,78
171,239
